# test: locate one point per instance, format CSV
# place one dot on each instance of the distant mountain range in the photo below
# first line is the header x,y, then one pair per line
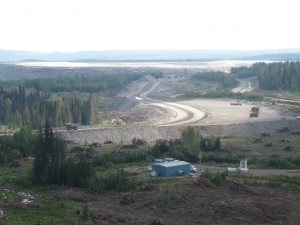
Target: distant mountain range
x,y
146,55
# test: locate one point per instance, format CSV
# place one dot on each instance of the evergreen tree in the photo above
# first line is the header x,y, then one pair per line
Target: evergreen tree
x,y
40,165
17,109
3,158
23,140
49,163
191,137
273,76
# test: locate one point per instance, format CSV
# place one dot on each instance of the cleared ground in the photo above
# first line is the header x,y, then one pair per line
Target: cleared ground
x,y
197,111
148,105
149,110
221,112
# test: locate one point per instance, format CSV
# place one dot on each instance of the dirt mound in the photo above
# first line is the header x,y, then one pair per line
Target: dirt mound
x,y
117,134
127,200
141,114
284,129
289,148
117,121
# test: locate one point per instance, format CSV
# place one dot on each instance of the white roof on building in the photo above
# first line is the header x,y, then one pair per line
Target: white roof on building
x,y
171,163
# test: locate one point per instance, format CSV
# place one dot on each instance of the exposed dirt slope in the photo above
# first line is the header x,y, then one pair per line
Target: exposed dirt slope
x,y
143,111
126,133
192,202
120,134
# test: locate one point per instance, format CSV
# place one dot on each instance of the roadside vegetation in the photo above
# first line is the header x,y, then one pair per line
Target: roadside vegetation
x,y
273,76
220,93
225,82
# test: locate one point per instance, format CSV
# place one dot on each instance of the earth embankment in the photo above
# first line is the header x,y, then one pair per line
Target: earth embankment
x,y
152,133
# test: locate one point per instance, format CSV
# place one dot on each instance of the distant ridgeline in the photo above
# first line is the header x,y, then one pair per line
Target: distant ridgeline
x,y
273,76
150,55
277,57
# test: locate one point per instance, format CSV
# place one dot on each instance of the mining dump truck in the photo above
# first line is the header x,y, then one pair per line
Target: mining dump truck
x,y
253,114
254,111
71,126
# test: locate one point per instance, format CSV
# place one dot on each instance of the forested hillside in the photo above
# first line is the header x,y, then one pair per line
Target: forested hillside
x,y
92,83
222,78
32,101
274,76
18,108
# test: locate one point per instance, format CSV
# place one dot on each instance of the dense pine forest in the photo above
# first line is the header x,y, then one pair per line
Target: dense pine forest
x,y
273,76
31,101
217,77
18,108
88,83
225,83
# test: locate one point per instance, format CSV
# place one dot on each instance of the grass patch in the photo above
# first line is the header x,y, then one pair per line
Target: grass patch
x,y
274,181
238,140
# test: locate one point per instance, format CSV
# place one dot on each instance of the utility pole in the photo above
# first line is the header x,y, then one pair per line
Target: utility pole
x,y
200,157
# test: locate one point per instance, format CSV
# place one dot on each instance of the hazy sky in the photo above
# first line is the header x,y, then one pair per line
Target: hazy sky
x,y
76,25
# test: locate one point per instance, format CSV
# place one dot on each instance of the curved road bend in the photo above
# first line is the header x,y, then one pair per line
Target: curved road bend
x,y
184,114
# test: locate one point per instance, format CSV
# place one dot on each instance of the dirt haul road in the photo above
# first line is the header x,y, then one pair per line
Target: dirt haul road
x,y
179,114
183,114
212,116
200,111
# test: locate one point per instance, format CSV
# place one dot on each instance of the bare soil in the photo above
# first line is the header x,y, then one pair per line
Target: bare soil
x,y
193,202
149,109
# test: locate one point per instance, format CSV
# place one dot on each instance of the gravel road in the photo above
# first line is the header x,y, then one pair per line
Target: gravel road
x,y
167,118
182,113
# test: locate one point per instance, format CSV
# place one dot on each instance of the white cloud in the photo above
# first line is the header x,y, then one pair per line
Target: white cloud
x,y
70,25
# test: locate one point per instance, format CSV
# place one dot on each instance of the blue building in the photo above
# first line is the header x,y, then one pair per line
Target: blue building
x,y
171,168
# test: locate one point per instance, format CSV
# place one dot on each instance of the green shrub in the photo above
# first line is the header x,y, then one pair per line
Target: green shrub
x,y
111,181
216,178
